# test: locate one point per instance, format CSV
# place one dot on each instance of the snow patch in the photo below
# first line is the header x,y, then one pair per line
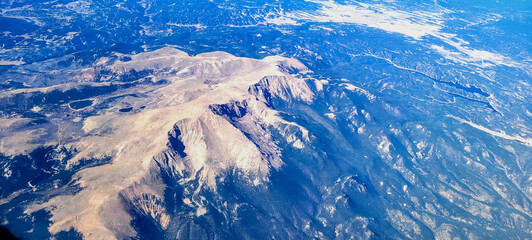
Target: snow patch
x,y
416,24
8,63
500,134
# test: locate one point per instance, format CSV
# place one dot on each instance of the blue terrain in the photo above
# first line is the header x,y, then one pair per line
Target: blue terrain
x,y
210,119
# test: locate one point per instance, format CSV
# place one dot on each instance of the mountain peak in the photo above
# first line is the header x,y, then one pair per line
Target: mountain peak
x,y
186,101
